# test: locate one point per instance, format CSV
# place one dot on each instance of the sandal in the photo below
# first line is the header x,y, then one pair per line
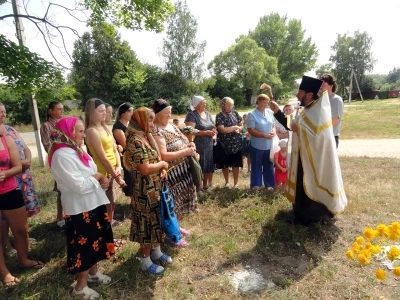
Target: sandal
x,y
86,292
184,231
38,265
181,243
99,278
11,283
152,270
163,259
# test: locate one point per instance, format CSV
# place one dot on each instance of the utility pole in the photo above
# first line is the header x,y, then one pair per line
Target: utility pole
x,y
353,75
31,98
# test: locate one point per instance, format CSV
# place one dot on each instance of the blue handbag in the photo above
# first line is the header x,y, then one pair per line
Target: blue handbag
x,y
169,220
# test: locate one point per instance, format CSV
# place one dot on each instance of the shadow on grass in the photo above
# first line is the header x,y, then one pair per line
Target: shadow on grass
x,y
224,197
53,281
285,253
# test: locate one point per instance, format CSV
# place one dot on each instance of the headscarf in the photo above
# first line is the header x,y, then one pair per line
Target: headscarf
x,y
196,101
123,108
230,115
98,102
62,137
159,105
140,123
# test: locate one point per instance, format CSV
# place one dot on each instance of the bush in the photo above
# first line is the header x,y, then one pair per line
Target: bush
x,y
383,94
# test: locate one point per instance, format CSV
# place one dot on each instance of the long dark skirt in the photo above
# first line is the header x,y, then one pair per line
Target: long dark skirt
x,y
306,210
128,189
89,239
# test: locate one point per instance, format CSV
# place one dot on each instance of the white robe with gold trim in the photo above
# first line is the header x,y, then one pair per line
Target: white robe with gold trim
x,y
322,180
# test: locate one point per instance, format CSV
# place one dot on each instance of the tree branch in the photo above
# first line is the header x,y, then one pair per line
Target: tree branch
x,y
45,25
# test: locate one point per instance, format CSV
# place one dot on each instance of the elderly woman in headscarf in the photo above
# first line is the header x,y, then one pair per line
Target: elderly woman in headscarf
x,y
142,158
229,126
88,227
175,148
201,119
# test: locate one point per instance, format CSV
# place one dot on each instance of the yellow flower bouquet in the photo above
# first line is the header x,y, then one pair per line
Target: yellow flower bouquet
x,y
374,245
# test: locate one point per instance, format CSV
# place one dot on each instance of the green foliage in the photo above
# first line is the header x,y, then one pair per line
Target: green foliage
x,y
182,54
105,67
224,87
180,105
352,51
285,40
323,69
368,84
17,105
394,75
383,94
246,64
26,70
131,14
168,86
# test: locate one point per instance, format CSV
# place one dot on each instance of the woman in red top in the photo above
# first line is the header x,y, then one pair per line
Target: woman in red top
x,y
12,207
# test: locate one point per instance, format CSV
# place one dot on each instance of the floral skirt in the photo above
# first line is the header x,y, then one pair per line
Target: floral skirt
x,y
89,239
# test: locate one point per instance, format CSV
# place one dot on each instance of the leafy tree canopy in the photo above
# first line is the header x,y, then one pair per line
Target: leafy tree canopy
x,y
323,69
285,40
26,70
106,67
131,14
352,52
247,64
182,54
394,75
15,101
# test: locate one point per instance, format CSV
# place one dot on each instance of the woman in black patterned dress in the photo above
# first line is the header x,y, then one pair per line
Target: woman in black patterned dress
x,y
175,148
141,157
201,119
229,126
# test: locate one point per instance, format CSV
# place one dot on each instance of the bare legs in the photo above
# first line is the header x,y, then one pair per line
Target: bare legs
x,y
235,172
17,220
110,196
81,281
5,238
6,276
207,180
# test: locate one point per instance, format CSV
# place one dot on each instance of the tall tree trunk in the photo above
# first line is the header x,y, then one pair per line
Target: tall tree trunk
x,y
248,93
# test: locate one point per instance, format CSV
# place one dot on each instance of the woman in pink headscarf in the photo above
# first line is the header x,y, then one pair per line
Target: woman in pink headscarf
x,y
88,227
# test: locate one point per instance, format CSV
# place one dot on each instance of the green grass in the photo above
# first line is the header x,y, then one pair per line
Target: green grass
x,y
234,229
371,119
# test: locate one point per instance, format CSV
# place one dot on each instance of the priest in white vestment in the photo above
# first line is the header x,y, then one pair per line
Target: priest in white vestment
x,y
315,185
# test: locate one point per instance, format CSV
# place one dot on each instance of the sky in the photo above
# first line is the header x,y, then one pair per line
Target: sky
x,y
220,22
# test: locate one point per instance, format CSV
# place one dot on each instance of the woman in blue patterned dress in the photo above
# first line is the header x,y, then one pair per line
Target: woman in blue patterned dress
x,y
24,179
201,119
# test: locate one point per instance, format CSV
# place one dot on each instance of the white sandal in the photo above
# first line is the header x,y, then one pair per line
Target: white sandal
x,y
99,278
87,293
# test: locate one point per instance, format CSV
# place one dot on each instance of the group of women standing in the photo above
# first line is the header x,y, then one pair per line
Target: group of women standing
x,y
148,150
18,199
234,139
142,150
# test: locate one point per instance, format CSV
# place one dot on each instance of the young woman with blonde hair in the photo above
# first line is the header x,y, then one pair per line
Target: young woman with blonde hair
x,y
101,145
